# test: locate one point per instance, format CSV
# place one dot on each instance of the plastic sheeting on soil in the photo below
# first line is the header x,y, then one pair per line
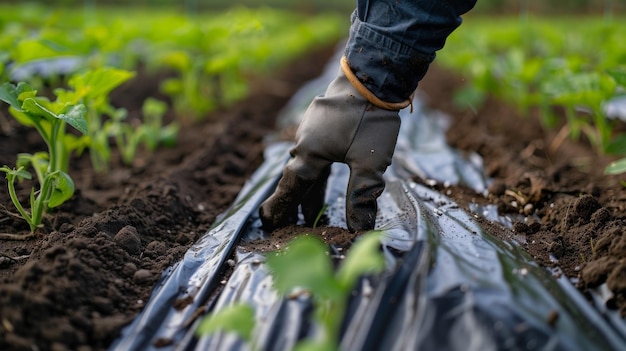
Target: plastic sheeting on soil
x,y
448,285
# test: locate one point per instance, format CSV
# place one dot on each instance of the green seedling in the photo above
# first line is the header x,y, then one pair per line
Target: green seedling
x,y
534,64
319,215
618,144
55,184
305,265
193,92
155,133
151,133
92,89
127,137
588,91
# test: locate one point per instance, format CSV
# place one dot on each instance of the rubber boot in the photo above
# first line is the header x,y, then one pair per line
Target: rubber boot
x,y
340,126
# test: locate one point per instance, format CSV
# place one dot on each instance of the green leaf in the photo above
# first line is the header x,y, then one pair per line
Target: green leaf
x,y
8,95
617,167
172,86
305,264
33,106
153,107
24,92
63,190
469,96
98,83
24,118
12,94
75,116
617,146
32,49
364,257
619,74
20,172
179,60
168,134
314,345
588,89
238,319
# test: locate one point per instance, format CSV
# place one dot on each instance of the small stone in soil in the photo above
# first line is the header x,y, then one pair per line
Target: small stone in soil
x,y
128,239
142,276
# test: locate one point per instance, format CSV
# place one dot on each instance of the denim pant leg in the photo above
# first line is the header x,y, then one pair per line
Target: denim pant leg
x,y
393,42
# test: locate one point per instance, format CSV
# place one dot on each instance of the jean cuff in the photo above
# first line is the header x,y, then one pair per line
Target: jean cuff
x,y
390,69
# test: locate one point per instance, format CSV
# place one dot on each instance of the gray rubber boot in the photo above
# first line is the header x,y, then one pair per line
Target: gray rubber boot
x,y
313,201
340,126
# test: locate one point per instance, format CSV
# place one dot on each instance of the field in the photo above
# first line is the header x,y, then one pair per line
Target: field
x,y
89,268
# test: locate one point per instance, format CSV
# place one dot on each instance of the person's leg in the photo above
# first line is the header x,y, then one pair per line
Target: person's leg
x,y
390,47
393,42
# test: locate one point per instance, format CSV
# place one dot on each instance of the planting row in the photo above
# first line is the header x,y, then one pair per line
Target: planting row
x,y
539,63
76,58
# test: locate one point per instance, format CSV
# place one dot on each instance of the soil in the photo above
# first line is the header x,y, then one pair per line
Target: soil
x,y
90,269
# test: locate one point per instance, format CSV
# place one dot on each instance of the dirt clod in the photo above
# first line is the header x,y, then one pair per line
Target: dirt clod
x,y
128,239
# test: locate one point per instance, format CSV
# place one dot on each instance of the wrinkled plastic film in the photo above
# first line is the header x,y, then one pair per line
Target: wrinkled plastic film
x,y
447,283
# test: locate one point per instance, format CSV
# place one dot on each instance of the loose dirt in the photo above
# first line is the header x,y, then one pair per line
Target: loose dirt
x,y
92,266
574,215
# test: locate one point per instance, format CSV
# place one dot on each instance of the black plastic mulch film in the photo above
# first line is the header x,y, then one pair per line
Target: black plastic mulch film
x,y
447,285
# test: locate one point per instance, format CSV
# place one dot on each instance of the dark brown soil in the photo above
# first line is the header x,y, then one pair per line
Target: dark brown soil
x,y
91,268
575,216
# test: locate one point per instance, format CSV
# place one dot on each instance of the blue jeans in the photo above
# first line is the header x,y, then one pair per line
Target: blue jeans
x,y
392,42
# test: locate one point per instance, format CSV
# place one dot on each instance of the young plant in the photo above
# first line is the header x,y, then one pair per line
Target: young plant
x,y
193,91
155,133
92,88
318,218
151,133
55,185
618,145
305,264
586,90
127,137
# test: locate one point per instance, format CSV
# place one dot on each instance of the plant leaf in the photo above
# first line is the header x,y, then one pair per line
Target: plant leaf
x,y
590,88
63,189
33,106
364,257
314,345
619,74
75,116
168,134
617,167
10,93
617,146
20,172
305,264
238,319
99,82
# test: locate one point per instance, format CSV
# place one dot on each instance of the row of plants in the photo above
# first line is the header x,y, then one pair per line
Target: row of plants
x,y
577,64
76,58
